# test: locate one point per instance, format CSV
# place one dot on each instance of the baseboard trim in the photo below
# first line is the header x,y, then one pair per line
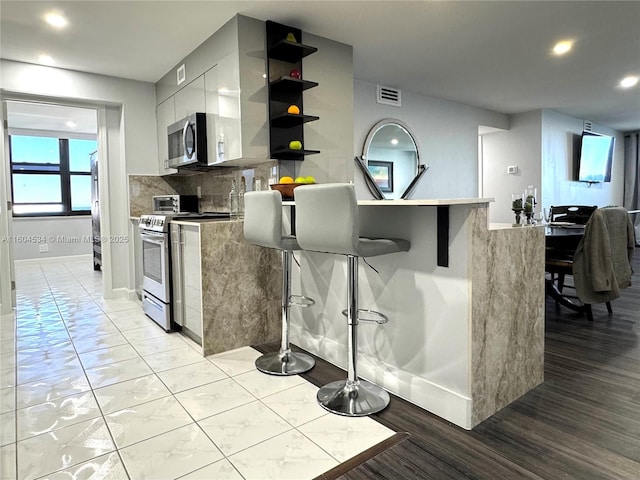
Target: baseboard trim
x,y
124,293
434,398
48,260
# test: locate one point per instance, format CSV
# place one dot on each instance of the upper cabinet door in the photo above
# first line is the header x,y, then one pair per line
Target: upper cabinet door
x,y
224,113
165,116
190,99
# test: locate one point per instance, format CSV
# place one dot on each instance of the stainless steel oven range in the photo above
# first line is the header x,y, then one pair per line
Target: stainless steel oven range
x,y
156,269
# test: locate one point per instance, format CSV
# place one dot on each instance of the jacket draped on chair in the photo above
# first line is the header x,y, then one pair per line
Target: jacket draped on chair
x,y
602,262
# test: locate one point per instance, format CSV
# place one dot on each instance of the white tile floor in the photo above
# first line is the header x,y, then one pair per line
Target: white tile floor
x,y
91,388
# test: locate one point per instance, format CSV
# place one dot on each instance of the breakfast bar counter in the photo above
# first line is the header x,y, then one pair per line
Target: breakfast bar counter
x,y
465,337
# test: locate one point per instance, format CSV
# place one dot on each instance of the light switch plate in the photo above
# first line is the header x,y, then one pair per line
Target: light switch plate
x,y
512,169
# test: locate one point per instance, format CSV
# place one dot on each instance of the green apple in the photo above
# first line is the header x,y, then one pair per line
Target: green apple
x,y
300,180
310,179
295,145
291,38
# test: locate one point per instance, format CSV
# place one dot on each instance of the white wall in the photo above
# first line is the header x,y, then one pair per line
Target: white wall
x,y
131,139
332,100
558,185
541,144
446,133
63,235
519,146
139,133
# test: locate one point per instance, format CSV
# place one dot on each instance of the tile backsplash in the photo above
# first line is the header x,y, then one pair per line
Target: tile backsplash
x,y
214,187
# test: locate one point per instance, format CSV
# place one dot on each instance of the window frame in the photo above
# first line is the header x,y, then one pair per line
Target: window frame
x,y
63,171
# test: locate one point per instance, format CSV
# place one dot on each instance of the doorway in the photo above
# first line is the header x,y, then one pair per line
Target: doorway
x,y
47,183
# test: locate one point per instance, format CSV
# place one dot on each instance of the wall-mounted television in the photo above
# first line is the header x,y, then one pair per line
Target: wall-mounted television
x,y
595,157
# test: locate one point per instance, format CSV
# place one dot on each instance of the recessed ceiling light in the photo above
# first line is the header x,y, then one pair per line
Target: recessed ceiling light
x,y
628,82
46,60
56,19
562,47
71,124
394,141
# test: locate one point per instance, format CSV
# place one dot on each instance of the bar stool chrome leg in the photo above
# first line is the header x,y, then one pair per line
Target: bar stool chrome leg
x,y
352,397
285,361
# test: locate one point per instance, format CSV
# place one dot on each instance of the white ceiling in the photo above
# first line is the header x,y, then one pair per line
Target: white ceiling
x,y
493,55
52,118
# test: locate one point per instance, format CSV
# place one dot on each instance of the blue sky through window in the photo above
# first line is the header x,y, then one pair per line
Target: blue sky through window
x,y
46,188
34,149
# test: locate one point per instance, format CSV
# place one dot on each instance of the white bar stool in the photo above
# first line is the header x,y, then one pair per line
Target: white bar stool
x,y
327,221
263,226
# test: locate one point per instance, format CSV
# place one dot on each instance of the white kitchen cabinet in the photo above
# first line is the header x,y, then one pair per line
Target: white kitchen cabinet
x,y
187,279
192,281
165,116
190,99
227,81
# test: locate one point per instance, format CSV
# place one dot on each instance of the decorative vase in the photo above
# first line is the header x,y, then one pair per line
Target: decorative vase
x,y
517,202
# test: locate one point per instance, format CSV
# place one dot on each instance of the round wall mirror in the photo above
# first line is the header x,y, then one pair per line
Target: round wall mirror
x,y
391,155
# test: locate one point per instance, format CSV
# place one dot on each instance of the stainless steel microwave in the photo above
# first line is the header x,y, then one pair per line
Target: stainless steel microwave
x,y
187,142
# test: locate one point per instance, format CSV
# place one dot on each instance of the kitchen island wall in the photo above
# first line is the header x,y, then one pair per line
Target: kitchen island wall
x,y
462,341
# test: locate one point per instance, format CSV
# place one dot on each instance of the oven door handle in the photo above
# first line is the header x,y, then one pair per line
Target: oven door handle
x,y
155,238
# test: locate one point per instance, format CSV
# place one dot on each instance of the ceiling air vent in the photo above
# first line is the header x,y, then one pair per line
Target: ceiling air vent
x,y
587,126
389,96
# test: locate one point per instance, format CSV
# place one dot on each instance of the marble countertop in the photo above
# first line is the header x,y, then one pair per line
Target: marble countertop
x,y
509,226
199,221
419,202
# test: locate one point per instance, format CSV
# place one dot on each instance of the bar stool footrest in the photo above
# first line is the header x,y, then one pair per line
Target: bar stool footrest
x,y
293,363
379,318
358,400
301,301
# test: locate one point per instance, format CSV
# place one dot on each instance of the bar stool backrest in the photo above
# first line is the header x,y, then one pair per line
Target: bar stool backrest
x,y
327,218
263,218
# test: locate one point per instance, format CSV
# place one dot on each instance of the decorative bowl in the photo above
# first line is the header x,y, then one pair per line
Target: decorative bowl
x,y
286,189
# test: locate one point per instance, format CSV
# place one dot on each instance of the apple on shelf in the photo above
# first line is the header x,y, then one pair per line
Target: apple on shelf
x,y
295,145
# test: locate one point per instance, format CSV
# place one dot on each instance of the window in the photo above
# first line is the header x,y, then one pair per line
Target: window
x,y
50,176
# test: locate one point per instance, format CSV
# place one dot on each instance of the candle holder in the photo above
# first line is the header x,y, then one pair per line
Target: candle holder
x,y
517,205
530,203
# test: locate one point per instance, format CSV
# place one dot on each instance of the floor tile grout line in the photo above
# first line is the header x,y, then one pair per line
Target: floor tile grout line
x,y
91,390
97,404
173,394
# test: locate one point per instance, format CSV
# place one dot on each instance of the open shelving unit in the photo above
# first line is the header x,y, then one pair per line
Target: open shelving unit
x,y
284,56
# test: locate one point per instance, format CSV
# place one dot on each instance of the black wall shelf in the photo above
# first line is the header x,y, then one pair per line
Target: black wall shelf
x,y
289,154
290,52
286,84
291,120
284,56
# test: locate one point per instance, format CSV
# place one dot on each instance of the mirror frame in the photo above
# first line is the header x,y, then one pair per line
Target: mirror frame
x,y
392,121
382,123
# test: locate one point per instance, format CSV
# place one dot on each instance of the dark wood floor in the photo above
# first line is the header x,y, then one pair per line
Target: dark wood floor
x,y
583,422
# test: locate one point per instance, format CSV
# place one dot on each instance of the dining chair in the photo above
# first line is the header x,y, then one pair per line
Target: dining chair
x,y
576,214
601,264
579,214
